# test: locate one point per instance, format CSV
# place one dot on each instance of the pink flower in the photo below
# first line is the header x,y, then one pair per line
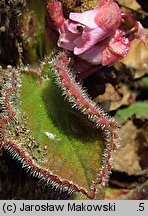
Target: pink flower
x,y
82,30
95,35
108,51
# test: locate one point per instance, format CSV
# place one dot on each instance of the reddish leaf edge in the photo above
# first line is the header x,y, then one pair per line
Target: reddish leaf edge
x,y
110,128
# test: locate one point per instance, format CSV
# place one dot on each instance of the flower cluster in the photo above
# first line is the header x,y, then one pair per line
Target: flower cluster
x,y
96,35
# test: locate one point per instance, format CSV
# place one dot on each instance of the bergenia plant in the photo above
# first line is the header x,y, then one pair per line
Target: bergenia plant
x,y
69,149
96,35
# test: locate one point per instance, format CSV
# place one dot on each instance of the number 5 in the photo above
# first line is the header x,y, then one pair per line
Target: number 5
x,y
141,207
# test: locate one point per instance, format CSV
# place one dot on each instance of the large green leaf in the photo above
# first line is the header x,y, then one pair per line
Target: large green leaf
x,y
48,136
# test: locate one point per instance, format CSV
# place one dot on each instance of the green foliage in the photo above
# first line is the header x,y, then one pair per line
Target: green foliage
x,y
38,44
144,81
68,144
140,109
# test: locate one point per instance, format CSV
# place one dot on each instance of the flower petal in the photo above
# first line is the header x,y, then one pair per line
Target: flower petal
x,y
94,54
86,18
75,28
88,39
108,16
117,48
66,37
141,34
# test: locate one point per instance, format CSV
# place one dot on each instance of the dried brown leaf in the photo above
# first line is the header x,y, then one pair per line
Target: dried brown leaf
x,y
128,158
116,97
137,58
130,4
